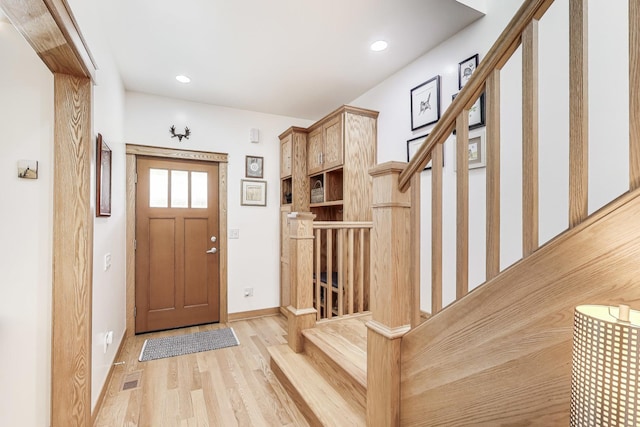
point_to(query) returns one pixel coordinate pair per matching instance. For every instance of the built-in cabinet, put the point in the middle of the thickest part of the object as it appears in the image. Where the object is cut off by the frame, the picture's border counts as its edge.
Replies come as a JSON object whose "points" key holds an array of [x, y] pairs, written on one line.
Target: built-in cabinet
{"points": [[324, 169]]}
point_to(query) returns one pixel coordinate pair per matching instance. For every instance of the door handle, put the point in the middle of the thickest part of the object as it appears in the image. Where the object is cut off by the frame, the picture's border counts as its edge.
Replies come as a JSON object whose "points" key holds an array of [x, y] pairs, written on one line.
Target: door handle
{"points": [[212, 251]]}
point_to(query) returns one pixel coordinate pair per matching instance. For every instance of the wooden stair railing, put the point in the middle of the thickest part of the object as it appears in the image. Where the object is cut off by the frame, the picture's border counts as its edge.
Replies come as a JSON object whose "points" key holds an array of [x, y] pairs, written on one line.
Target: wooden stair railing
{"points": [[341, 250], [393, 286]]}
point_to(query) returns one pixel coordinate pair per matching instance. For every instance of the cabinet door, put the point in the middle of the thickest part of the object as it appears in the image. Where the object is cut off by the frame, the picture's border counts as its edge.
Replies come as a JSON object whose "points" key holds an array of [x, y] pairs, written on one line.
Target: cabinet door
{"points": [[333, 148], [314, 151], [285, 156]]}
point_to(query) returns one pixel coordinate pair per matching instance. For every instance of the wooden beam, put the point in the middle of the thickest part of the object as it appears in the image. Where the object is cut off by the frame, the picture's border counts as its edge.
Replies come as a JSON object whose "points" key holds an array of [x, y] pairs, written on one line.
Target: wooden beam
{"points": [[530, 139], [72, 253], [578, 112], [436, 230], [493, 175], [50, 28], [415, 250], [634, 94], [462, 204]]}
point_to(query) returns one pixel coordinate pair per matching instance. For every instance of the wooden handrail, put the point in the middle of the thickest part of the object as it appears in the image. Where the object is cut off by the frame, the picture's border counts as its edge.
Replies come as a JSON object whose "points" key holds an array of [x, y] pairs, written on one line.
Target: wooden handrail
{"points": [[497, 56], [335, 225]]}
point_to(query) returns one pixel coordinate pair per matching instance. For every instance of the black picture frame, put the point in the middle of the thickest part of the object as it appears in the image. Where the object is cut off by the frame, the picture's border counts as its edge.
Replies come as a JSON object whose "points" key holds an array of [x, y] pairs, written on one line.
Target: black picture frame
{"points": [[476, 118], [412, 147], [466, 69], [424, 109], [103, 178]]}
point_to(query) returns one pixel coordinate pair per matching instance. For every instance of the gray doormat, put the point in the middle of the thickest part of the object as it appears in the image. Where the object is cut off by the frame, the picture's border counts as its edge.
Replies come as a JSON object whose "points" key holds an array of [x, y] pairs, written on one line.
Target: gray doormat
{"points": [[159, 348]]}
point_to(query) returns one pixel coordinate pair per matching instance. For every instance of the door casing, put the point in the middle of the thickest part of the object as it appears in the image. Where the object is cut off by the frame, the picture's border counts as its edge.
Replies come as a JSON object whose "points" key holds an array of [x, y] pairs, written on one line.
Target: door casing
{"points": [[133, 151]]}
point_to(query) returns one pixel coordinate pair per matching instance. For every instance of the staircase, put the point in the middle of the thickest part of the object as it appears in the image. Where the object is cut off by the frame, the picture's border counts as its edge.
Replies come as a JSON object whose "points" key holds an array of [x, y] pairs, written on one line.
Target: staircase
{"points": [[328, 380], [501, 353]]}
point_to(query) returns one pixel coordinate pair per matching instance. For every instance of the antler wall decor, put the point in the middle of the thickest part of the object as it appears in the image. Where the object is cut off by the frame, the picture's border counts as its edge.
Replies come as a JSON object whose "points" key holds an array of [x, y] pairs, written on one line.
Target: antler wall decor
{"points": [[184, 135]]}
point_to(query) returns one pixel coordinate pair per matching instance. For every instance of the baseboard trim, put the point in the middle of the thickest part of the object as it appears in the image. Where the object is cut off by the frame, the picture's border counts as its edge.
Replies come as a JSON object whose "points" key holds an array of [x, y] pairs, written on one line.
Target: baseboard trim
{"points": [[243, 315], [107, 382]]}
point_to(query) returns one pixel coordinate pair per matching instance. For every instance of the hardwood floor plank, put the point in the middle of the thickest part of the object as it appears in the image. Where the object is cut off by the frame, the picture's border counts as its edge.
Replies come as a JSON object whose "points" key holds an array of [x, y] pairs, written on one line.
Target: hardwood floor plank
{"points": [[228, 387]]}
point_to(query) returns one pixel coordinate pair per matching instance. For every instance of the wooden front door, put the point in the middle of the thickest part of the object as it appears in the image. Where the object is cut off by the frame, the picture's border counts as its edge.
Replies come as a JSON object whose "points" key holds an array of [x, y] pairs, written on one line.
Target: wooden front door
{"points": [[177, 263]]}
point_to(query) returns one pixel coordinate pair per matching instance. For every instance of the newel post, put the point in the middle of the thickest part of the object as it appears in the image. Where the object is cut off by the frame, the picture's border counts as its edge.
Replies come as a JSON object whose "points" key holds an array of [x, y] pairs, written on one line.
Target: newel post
{"points": [[390, 294], [302, 315]]}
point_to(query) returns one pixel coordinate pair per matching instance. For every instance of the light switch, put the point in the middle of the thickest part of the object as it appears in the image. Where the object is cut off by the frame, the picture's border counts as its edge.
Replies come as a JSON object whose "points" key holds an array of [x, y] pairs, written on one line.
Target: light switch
{"points": [[107, 262], [234, 233]]}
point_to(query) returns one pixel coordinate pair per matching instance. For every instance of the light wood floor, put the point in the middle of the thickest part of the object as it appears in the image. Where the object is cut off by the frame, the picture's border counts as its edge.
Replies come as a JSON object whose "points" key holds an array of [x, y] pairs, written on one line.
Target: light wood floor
{"points": [[227, 387]]}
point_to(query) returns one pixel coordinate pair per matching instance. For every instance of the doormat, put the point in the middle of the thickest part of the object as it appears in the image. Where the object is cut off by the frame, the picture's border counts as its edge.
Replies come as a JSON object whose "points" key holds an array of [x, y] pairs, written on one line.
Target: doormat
{"points": [[159, 348]]}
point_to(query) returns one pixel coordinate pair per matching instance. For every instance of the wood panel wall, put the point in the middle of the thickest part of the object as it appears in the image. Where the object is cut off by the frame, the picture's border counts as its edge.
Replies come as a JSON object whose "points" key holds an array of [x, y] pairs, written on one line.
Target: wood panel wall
{"points": [[509, 362], [72, 253]]}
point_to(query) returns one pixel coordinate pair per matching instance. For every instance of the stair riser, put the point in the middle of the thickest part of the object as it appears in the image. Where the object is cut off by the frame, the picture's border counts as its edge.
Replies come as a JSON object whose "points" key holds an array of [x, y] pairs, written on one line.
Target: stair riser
{"points": [[295, 396], [340, 379]]}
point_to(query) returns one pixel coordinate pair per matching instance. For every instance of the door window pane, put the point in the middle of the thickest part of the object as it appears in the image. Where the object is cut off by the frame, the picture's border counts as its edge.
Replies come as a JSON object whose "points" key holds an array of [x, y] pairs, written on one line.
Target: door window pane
{"points": [[199, 190], [179, 189], [158, 188]]}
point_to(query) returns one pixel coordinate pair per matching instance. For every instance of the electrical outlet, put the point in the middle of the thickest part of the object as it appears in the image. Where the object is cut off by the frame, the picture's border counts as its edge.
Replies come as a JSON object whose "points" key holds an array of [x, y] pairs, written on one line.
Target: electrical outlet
{"points": [[248, 292], [107, 262], [234, 233]]}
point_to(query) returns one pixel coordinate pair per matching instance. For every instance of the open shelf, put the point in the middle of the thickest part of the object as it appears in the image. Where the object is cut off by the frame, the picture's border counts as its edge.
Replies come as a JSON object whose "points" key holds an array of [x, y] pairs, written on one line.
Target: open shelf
{"points": [[323, 204]]}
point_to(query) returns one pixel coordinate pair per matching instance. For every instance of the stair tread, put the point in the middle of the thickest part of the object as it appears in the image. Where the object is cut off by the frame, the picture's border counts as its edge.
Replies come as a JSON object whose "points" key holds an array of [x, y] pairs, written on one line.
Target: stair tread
{"points": [[328, 404], [345, 343]]}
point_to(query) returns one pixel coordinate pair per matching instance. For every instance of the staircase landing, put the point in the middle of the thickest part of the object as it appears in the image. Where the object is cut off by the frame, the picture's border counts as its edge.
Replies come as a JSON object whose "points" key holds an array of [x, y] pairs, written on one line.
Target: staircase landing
{"points": [[328, 381]]}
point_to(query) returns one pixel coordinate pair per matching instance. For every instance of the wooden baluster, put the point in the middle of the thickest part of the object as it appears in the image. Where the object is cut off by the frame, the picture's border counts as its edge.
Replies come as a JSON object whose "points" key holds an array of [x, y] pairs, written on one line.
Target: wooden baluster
{"points": [[492, 98], [634, 94], [415, 250], [530, 139], [328, 297], [341, 272], [361, 273], [436, 229], [317, 271], [350, 272], [302, 315], [578, 112], [462, 204]]}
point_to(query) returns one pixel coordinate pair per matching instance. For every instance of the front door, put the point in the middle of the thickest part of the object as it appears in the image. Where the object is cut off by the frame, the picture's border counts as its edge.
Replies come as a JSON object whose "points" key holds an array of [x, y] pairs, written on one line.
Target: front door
{"points": [[177, 264]]}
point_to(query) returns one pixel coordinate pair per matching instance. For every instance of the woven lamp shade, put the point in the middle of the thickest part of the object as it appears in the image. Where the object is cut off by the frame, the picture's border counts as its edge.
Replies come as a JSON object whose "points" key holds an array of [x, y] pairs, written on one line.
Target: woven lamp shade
{"points": [[605, 376]]}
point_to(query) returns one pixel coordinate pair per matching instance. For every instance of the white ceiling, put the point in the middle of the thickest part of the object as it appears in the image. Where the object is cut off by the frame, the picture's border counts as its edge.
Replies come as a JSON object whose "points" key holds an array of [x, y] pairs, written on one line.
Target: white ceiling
{"points": [[299, 58]]}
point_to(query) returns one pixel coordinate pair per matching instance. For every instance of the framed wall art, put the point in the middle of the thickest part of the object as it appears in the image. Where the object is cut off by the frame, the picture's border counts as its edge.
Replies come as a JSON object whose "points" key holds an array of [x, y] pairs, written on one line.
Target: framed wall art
{"points": [[254, 166], [477, 149], [103, 178], [425, 103], [28, 169], [476, 113], [412, 148], [465, 69], [253, 193]]}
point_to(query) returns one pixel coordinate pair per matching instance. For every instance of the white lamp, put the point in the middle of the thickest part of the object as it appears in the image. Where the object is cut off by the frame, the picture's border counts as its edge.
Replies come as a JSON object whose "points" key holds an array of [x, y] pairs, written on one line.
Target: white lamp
{"points": [[606, 359]]}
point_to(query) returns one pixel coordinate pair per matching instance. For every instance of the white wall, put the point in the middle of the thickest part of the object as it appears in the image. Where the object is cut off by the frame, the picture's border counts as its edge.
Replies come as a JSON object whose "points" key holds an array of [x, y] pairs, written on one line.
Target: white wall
{"points": [[253, 258], [26, 120], [608, 102]]}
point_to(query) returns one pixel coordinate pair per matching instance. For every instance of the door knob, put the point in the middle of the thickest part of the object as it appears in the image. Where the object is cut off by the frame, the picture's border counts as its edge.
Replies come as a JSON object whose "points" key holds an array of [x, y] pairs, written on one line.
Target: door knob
{"points": [[213, 239], [212, 251]]}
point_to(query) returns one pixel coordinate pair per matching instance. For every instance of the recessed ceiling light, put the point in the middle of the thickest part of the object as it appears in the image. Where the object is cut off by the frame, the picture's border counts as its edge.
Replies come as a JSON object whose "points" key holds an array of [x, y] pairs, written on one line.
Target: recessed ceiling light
{"points": [[183, 79], [379, 45]]}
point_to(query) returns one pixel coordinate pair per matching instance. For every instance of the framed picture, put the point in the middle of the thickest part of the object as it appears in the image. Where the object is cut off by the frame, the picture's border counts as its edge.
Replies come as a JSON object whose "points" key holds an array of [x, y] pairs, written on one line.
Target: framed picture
{"points": [[465, 69], [28, 169], [412, 148], [476, 113], [103, 178], [253, 166], [254, 193], [477, 149], [425, 103]]}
